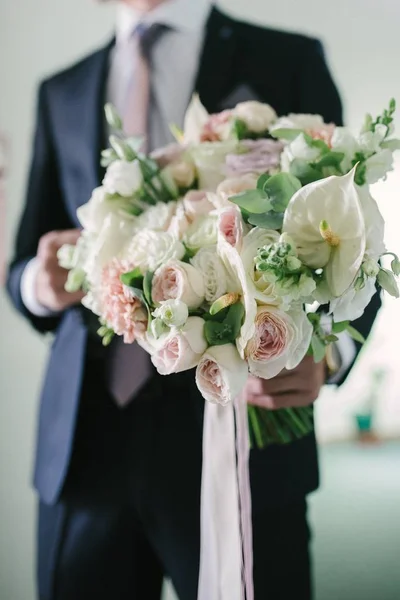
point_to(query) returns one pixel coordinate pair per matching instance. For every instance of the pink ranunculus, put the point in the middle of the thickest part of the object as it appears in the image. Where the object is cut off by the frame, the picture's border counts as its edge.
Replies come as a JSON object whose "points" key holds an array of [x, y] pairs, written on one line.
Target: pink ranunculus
{"points": [[182, 349], [217, 128], [324, 132], [122, 311], [196, 203], [177, 280], [262, 156], [221, 374], [231, 226]]}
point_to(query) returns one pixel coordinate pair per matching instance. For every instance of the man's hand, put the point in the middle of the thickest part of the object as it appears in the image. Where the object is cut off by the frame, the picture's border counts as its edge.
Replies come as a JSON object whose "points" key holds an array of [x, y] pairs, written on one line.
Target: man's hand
{"points": [[299, 387], [51, 278]]}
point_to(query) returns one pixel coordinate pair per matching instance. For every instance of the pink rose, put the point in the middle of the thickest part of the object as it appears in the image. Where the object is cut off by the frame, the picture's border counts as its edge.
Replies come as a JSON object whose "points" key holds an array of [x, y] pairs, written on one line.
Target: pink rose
{"points": [[217, 128], [221, 374], [122, 311], [182, 349], [177, 280], [280, 340], [231, 226], [324, 132], [231, 187], [196, 203]]}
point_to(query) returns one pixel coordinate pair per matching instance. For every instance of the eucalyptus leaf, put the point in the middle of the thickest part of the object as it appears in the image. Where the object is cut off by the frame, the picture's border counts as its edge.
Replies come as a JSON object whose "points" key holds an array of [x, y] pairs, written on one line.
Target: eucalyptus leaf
{"points": [[252, 201], [280, 188], [269, 220], [304, 171], [331, 159], [262, 180]]}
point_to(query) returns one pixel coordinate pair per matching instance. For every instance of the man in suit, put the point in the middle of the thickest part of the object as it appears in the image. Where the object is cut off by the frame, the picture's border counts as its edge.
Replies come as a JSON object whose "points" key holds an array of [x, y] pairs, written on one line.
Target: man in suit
{"points": [[120, 488]]}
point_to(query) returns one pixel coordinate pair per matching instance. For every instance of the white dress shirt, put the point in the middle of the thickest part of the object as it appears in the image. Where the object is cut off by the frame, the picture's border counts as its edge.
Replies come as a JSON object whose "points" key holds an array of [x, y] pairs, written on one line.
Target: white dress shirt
{"points": [[175, 63]]}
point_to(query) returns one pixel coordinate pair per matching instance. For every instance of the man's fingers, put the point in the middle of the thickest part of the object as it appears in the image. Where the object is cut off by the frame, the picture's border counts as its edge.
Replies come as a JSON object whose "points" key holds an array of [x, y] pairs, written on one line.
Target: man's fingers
{"points": [[66, 299], [52, 241], [290, 399]]}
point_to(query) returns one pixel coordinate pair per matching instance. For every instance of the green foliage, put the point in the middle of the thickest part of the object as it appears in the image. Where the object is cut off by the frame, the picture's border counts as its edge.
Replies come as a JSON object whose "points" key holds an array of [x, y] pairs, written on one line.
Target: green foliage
{"points": [[219, 332], [147, 286], [133, 279], [304, 171]]}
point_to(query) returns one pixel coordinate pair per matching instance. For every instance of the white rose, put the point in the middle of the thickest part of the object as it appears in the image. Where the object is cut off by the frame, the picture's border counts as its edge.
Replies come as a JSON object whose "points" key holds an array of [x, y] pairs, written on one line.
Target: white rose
{"points": [[149, 249], [179, 222], [378, 165], [209, 158], [182, 173], [123, 178], [180, 350], [221, 374], [92, 214], [257, 116], [157, 217], [176, 280], [202, 232], [172, 313], [208, 263]]}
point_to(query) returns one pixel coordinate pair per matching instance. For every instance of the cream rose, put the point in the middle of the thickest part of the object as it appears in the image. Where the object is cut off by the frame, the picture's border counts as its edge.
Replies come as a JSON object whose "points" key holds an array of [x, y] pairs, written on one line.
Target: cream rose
{"points": [[182, 172], [196, 204], [180, 350], [209, 158], [258, 116], [208, 263], [157, 217], [221, 374], [149, 249], [123, 178], [177, 280], [179, 222], [281, 340], [202, 232], [232, 187]]}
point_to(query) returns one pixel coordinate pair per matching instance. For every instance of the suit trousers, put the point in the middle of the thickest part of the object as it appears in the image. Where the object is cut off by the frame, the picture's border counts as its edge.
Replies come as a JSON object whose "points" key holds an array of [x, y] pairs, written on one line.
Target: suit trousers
{"points": [[129, 514]]}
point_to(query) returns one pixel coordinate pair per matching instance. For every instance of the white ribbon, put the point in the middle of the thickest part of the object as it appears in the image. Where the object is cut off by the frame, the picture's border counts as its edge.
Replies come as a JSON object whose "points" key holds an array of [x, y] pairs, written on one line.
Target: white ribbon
{"points": [[226, 540]]}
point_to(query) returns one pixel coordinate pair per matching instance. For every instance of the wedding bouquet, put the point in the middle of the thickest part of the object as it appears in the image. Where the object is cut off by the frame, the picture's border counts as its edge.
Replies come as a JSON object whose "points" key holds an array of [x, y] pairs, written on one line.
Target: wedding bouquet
{"points": [[216, 252]]}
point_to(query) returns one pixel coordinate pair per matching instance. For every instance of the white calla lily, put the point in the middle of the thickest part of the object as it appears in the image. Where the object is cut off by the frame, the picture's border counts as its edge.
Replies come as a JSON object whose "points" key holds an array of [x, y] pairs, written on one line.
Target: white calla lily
{"points": [[195, 118]]}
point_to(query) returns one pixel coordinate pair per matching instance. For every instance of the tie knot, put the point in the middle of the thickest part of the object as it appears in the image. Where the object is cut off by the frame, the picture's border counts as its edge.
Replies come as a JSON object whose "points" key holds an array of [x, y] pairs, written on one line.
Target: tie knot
{"points": [[148, 36]]}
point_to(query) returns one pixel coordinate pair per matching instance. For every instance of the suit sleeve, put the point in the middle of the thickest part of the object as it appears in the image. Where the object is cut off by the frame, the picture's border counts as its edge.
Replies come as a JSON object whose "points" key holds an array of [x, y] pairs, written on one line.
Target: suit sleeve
{"points": [[318, 95], [44, 211]]}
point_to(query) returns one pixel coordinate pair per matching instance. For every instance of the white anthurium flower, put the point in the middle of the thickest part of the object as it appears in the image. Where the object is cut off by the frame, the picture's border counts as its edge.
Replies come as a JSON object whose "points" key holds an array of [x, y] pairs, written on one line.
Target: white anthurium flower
{"points": [[195, 119], [209, 158], [239, 283], [352, 304], [326, 222], [378, 165], [221, 374], [173, 313], [157, 217], [374, 224], [202, 232], [298, 149], [123, 178], [280, 341], [257, 238], [149, 249], [208, 263], [92, 214]]}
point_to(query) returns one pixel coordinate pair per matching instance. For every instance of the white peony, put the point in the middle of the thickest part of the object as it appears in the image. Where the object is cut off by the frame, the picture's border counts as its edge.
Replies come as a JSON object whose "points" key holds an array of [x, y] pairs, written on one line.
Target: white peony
{"points": [[123, 178], [149, 249], [326, 222], [208, 263], [257, 116], [202, 232], [221, 374]]}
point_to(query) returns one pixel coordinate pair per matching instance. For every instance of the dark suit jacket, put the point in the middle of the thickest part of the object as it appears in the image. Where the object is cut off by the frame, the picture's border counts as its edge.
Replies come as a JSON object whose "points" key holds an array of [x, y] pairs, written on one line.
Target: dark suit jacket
{"points": [[289, 72]]}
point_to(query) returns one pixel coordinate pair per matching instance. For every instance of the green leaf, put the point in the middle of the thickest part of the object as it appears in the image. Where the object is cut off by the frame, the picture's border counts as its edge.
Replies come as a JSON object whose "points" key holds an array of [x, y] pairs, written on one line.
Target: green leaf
{"points": [[356, 335], [288, 134], [331, 159], [280, 188], [112, 116], [225, 332], [318, 348], [331, 338], [319, 145], [252, 201], [269, 220], [122, 149], [218, 317], [133, 279], [305, 172], [339, 327], [262, 181], [189, 253], [147, 282]]}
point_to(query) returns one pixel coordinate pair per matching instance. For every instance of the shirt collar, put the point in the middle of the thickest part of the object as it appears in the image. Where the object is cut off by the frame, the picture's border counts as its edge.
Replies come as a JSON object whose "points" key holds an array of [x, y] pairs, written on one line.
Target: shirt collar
{"points": [[181, 15]]}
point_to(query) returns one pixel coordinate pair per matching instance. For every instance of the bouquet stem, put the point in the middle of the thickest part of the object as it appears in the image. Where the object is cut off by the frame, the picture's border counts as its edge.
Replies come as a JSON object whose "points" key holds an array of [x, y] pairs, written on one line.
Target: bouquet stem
{"points": [[267, 427]]}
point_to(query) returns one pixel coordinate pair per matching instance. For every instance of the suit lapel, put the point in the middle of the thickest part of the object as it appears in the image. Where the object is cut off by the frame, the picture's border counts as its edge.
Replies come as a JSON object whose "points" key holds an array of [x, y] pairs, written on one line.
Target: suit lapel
{"points": [[216, 75]]}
